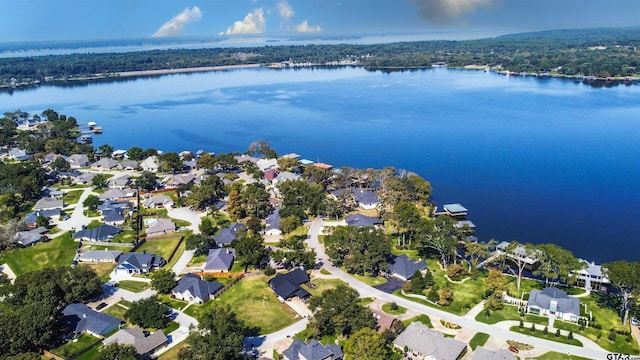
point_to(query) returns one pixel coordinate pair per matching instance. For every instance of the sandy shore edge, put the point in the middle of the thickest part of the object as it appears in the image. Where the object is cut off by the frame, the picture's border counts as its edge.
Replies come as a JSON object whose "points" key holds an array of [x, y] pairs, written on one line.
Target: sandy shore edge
{"points": [[184, 70]]}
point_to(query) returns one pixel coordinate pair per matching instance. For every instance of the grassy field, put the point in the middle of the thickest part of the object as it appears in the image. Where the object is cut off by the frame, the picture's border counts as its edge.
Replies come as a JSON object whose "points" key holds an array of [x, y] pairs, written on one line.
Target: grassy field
{"points": [[102, 269], [510, 313], [161, 245], [57, 252], [167, 300], [412, 254], [71, 348], [126, 236], [255, 304], [478, 339], [371, 281], [387, 308], [134, 286], [322, 285], [117, 310], [198, 261], [176, 256], [94, 224], [421, 318], [366, 301], [550, 336], [173, 352], [72, 197]]}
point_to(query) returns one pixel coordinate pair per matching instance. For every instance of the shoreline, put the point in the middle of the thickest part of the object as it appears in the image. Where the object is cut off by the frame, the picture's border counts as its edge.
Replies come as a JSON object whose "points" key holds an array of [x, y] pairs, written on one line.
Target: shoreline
{"points": [[180, 70]]}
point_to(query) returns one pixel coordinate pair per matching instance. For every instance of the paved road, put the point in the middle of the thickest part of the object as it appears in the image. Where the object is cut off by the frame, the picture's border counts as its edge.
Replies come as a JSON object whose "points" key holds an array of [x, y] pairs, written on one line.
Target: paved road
{"points": [[590, 349], [77, 218], [191, 216]]}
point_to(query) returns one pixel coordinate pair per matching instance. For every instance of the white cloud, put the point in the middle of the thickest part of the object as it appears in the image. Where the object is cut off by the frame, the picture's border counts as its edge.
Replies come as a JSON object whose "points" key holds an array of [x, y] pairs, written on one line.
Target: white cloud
{"points": [[445, 11], [304, 27], [174, 26], [253, 23], [285, 10]]}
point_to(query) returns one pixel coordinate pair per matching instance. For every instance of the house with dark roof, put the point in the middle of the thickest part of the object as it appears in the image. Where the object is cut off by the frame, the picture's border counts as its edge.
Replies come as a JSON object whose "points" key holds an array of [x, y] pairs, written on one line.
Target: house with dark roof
{"points": [[145, 344], [113, 216], [312, 351], [426, 343], [554, 302], [287, 285], [32, 217], [100, 256], [179, 180], [193, 289], [139, 263], [360, 220], [80, 318], [160, 226], [227, 235], [84, 178], [48, 203], [114, 194], [31, 237], [402, 267], [101, 233], [366, 199], [220, 259], [77, 161], [273, 223], [485, 354]]}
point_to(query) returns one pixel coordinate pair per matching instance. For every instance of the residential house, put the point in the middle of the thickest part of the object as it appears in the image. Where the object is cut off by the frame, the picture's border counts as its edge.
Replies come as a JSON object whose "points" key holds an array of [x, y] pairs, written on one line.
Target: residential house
{"points": [[31, 237], [101, 233], [113, 211], [31, 219], [100, 256], [554, 302], [145, 344], [179, 180], [114, 194], [425, 343], [285, 176], [242, 158], [291, 156], [105, 163], [77, 161], [160, 226], [227, 235], [273, 223], [151, 164], [267, 164], [270, 174], [81, 319], [128, 165], [323, 166], [158, 201], [220, 259], [486, 354], [139, 263], [366, 199], [384, 321], [312, 351], [455, 210], [18, 154], [121, 182], [520, 253], [360, 220], [402, 267], [591, 277], [193, 289], [48, 203], [54, 193], [84, 178], [119, 154], [287, 285], [462, 223]]}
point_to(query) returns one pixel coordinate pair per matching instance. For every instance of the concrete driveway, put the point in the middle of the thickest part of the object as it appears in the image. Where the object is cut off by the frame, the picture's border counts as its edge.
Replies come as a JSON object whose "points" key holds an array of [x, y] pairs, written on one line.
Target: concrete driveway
{"points": [[77, 219]]}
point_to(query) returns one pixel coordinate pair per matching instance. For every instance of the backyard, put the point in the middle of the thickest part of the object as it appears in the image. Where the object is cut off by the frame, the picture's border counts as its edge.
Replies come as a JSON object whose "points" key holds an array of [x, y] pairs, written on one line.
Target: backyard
{"points": [[163, 245], [254, 303], [59, 251]]}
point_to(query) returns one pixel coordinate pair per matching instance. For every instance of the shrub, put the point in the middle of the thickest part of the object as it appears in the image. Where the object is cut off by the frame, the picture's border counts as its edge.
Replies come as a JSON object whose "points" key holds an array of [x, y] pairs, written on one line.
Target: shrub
{"points": [[533, 327], [449, 325], [558, 333], [407, 287], [570, 336], [456, 272], [445, 296], [432, 295], [521, 325], [393, 306], [269, 271], [545, 331], [612, 336]]}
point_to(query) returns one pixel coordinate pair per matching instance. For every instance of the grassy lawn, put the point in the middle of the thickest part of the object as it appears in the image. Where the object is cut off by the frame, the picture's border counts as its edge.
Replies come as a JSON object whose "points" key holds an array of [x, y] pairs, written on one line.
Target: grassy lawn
{"points": [[552, 355], [180, 223], [177, 255], [94, 224], [550, 336], [161, 245], [173, 352], [134, 286], [72, 197], [421, 318], [366, 301], [387, 308], [126, 236], [601, 337], [57, 252], [478, 339], [255, 304], [324, 271], [371, 281], [197, 261], [322, 285], [412, 254], [88, 246], [117, 310], [83, 342], [510, 313], [299, 231], [173, 326], [91, 353], [102, 269], [167, 300]]}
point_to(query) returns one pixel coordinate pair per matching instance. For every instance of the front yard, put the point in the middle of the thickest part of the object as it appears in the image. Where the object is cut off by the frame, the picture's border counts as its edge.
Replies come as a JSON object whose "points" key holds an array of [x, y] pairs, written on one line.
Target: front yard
{"points": [[134, 286], [72, 197], [255, 304], [57, 252], [77, 346]]}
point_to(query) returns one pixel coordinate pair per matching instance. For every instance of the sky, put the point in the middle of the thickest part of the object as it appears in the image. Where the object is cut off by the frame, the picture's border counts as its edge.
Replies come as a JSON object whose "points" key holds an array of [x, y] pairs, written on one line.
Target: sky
{"points": [[48, 20]]}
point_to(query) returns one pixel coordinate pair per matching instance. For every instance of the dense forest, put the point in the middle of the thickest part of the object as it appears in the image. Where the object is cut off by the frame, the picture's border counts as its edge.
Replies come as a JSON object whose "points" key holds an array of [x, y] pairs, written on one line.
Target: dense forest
{"points": [[594, 52]]}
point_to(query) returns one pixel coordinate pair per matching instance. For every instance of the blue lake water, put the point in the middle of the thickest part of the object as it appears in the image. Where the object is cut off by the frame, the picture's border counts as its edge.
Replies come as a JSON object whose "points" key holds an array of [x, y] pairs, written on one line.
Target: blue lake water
{"points": [[533, 160]]}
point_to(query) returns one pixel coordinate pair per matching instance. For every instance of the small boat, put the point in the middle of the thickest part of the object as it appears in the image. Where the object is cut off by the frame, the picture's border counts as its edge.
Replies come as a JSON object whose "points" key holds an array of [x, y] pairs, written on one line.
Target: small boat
{"points": [[97, 129], [85, 139]]}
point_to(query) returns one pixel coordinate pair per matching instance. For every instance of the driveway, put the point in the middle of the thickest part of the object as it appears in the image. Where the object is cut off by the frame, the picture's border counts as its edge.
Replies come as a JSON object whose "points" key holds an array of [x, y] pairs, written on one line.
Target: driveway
{"points": [[186, 214], [590, 349], [392, 284], [77, 219]]}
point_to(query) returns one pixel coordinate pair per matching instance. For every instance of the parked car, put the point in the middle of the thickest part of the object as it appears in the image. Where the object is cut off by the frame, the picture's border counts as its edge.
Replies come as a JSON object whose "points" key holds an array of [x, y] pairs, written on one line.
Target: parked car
{"points": [[513, 349], [74, 263], [101, 306], [634, 321]]}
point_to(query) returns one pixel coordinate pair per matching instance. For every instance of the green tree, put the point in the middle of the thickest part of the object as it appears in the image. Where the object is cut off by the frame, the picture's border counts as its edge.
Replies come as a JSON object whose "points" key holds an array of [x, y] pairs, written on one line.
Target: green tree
{"points": [[288, 164], [219, 336], [163, 280], [441, 235], [207, 193], [146, 181], [148, 313], [207, 227], [290, 223], [519, 255], [624, 276], [338, 312], [366, 344], [250, 249], [106, 150], [361, 250], [206, 161], [417, 282], [226, 162], [234, 207], [201, 243], [100, 181], [256, 200], [445, 296], [262, 148], [91, 202], [556, 263], [407, 216], [60, 164], [254, 225], [135, 153], [117, 352], [170, 162], [476, 250]]}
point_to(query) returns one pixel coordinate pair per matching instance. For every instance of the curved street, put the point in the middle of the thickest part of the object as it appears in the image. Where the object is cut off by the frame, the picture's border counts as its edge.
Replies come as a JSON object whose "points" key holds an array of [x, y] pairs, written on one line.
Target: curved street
{"points": [[590, 349]]}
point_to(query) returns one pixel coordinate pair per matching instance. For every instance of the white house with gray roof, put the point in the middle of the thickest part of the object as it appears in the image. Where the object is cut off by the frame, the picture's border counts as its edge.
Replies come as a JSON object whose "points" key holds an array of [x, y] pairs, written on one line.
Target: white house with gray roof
{"points": [[105, 163], [591, 277], [366, 199], [100, 256], [486, 354], [160, 226], [48, 203], [151, 164], [554, 302], [77, 161], [193, 289], [158, 201], [424, 343]]}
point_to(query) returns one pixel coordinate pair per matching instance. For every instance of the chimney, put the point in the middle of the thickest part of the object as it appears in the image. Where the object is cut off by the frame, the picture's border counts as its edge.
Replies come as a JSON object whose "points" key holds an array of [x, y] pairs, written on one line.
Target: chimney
{"points": [[228, 251]]}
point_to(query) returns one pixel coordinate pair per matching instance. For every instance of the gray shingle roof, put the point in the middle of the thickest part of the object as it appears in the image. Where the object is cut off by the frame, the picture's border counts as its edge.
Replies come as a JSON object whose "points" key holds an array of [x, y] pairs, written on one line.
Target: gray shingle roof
{"points": [[227, 235], [33, 216], [142, 261], [288, 285], [404, 267], [362, 220], [273, 220], [80, 318], [220, 259], [48, 203], [312, 351], [100, 233], [26, 238], [100, 255], [419, 338], [565, 304], [135, 336], [197, 287], [161, 225], [365, 197], [486, 354]]}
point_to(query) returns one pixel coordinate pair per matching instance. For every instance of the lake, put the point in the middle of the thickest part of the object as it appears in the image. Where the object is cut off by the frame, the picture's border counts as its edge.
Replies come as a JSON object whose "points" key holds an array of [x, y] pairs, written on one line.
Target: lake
{"points": [[534, 160]]}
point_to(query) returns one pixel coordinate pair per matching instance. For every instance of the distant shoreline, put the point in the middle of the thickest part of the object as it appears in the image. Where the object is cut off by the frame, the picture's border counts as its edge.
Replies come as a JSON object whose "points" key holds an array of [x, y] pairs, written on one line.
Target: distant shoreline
{"points": [[182, 70]]}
